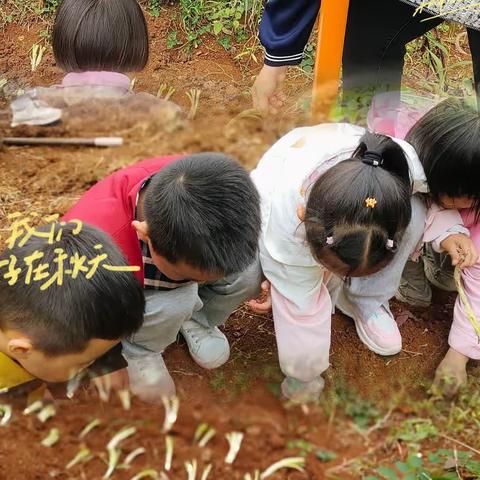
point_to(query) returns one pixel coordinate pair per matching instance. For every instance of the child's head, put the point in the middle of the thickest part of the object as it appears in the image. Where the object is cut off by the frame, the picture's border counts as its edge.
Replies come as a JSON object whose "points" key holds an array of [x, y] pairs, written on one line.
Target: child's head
{"points": [[100, 35], [201, 218], [447, 140], [357, 211], [56, 332]]}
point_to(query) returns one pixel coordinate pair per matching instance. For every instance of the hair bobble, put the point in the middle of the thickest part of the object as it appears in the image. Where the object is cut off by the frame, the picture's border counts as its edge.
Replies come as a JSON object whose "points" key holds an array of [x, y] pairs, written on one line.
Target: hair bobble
{"points": [[329, 241], [391, 245], [372, 158]]}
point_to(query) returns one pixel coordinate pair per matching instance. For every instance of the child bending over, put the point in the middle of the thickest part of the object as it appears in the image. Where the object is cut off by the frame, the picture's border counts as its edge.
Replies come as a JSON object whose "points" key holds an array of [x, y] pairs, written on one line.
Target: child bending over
{"points": [[192, 225], [447, 142], [54, 333], [339, 223]]}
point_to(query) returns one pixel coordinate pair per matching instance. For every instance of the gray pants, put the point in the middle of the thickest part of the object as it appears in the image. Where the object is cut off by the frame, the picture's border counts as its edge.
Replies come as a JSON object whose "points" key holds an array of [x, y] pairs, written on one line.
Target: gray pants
{"points": [[208, 304], [367, 294]]}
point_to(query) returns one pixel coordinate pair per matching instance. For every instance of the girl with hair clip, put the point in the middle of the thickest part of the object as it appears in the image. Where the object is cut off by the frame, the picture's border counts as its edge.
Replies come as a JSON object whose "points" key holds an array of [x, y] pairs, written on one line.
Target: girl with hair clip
{"points": [[447, 142], [339, 223], [97, 43]]}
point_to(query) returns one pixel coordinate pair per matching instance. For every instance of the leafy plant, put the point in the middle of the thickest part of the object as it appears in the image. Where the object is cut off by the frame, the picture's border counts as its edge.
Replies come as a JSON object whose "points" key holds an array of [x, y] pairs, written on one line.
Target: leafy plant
{"points": [[154, 8]]}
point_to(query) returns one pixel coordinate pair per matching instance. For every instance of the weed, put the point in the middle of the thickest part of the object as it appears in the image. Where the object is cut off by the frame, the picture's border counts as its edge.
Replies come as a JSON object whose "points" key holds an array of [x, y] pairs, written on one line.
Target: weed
{"points": [[172, 40], [217, 382], [308, 62], [154, 8], [228, 21]]}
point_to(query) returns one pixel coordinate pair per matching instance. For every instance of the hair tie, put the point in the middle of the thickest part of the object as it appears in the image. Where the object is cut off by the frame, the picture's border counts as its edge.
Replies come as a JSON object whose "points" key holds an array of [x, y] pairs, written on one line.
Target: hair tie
{"points": [[372, 158], [390, 244], [370, 202], [329, 241]]}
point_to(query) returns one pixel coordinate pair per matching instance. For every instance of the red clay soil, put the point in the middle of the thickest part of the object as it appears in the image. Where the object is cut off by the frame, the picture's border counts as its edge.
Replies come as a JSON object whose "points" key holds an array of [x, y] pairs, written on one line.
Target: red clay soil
{"points": [[241, 395]]}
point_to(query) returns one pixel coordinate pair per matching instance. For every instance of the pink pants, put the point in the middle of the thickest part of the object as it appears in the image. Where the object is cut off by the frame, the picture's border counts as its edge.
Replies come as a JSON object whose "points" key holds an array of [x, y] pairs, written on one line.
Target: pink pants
{"points": [[462, 336]]}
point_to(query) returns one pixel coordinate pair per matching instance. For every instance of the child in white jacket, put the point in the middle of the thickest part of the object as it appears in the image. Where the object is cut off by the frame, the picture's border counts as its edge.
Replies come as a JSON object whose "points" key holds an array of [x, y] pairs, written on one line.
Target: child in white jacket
{"points": [[337, 204]]}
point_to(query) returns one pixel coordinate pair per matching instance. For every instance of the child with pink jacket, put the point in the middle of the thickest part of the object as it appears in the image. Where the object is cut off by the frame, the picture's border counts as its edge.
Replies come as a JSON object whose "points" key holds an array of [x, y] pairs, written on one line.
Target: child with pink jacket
{"points": [[446, 138]]}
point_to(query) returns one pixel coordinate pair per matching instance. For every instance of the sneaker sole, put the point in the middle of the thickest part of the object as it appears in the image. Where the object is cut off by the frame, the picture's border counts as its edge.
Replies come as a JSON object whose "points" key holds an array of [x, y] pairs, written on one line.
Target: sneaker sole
{"points": [[384, 352]]}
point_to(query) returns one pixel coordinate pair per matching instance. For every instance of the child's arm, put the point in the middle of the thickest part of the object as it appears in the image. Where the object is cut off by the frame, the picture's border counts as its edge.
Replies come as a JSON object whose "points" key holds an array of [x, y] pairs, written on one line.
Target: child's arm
{"points": [[445, 230], [285, 29], [284, 32]]}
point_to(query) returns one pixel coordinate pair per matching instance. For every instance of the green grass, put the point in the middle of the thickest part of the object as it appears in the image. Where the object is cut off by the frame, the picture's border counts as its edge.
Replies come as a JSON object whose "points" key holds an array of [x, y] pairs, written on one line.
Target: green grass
{"points": [[229, 22]]}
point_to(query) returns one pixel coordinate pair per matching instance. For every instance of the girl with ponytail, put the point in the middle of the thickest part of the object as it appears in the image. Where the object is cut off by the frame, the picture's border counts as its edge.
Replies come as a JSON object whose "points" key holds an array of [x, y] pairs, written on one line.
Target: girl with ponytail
{"points": [[340, 219]]}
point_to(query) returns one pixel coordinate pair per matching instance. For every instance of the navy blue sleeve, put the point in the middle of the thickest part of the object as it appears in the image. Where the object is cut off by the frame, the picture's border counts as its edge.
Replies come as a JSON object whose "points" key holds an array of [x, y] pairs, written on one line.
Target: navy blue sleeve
{"points": [[285, 28]]}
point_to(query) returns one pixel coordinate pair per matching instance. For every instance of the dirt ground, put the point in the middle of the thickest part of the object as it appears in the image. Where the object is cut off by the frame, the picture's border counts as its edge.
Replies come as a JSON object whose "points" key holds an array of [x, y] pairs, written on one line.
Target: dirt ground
{"points": [[243, 394]]}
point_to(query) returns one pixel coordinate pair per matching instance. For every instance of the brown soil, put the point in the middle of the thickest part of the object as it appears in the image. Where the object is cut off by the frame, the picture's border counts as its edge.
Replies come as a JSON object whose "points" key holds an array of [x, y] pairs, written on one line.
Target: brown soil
{"points": [[241, 395]]}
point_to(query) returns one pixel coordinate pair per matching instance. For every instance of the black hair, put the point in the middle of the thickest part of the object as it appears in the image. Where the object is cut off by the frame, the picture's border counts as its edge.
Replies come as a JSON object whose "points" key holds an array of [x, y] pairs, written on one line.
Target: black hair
{"points": [[338, 219], [62, 319], [447, 141], [96, 35], [204, 210]]}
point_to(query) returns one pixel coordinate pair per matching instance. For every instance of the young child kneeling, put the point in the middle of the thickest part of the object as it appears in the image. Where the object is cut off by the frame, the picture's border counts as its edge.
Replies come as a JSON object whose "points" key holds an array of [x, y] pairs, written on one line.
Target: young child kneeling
{"points": [[55, 318], [192, 225]]}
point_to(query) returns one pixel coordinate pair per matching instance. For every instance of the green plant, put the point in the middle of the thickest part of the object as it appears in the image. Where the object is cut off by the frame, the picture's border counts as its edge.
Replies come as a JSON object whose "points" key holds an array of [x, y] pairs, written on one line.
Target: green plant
{"points": [[440, 465], [172, 40], [154, 8], [308, 62]]}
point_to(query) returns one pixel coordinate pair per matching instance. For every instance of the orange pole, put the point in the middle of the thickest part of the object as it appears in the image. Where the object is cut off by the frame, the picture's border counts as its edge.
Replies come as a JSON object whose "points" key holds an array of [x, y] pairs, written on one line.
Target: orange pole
{"points": [[332, 25]]}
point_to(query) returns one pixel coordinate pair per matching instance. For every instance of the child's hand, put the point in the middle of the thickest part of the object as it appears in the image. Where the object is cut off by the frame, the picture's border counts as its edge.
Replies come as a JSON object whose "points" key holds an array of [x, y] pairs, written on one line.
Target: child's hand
{"points": [[265, 304], [451, 374], [267, 92], [461, 249]]}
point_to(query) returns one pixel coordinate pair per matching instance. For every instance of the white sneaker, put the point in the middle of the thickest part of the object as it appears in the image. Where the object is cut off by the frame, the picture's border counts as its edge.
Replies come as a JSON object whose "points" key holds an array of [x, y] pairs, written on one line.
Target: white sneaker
{"points": [[148, 376], [379, 332], [208, 345]]}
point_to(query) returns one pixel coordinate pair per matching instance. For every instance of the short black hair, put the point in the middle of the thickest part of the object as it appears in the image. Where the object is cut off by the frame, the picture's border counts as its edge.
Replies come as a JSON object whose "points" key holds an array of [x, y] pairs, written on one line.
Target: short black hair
{"points": [[100, 35], [337, 219], [63, 318], [204, 210], [447, 141]]}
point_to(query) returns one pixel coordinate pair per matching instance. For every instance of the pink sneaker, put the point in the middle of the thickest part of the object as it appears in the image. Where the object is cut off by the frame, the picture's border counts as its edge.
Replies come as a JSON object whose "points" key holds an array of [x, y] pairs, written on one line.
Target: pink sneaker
{"points": [[379, 332]]}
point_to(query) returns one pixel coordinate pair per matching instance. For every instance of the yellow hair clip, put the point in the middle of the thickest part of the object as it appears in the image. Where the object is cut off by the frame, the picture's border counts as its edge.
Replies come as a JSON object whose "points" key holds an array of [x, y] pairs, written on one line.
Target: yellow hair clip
{"points": [[370, 202]]}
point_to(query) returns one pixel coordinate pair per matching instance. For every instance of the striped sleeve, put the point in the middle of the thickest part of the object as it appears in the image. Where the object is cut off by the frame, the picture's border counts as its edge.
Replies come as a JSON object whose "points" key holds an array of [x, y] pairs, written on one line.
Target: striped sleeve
{"points": [[285, 28]]}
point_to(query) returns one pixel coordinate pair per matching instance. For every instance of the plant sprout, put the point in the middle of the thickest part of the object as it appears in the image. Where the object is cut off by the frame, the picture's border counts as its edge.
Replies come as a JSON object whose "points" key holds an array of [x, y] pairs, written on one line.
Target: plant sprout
{"points": [[165, 92], [235, 442], [89, 427], [133, 455], [203, 434], [206, 472], [171, 405], [148, 473], [132, 83], [34, 407], [5, 414], [103, 386], [36, 55], [125, 399], [82, 456], [255, 476], [46, 412], [168, 452], [114, 452], [52, 438], [3, 82], [191, 468], [295, 463], [194, 97]]}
